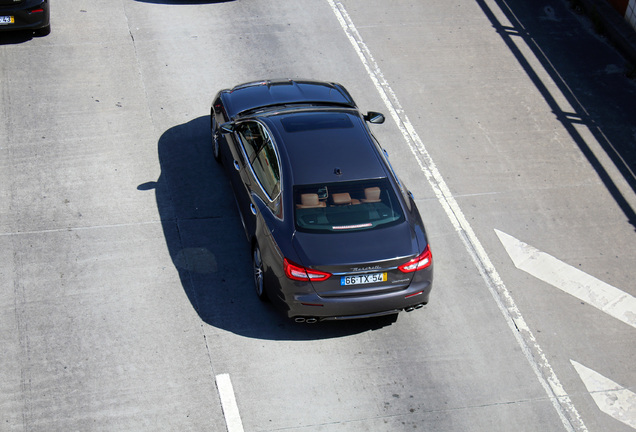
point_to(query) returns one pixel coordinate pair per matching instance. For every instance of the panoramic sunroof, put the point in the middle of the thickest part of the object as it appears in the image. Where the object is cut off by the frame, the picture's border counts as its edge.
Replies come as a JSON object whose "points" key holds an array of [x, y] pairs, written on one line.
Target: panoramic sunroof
{"points": [[316, 121]]}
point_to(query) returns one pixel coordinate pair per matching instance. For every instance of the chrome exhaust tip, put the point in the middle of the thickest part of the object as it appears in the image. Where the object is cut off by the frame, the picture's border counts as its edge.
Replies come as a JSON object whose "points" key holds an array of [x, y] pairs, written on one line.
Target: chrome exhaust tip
{"points": [[311, 320], [299, 319]]}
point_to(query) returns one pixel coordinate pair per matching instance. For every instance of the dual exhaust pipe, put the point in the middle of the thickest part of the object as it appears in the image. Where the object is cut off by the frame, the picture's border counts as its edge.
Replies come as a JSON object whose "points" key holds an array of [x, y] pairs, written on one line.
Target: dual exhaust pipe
{"points": [[308, 320], [412, 308], [313, 320]]}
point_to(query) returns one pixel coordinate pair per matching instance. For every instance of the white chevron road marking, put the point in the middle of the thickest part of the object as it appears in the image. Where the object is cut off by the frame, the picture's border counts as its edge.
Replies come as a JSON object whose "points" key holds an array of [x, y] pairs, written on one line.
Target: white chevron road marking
{"points": [[573, 281], [610, 397]]}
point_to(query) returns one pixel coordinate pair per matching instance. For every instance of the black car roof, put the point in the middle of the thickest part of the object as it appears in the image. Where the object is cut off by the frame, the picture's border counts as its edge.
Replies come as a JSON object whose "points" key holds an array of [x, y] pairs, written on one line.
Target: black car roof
{"points": [[325, 145], [254, 95]]}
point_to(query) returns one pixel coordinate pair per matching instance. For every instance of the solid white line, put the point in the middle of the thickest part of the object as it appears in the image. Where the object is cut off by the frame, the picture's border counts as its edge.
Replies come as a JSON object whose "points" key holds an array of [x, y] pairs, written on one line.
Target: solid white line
{"points": [[228, 403], [611, 398], [571, 280], [529, 345]]}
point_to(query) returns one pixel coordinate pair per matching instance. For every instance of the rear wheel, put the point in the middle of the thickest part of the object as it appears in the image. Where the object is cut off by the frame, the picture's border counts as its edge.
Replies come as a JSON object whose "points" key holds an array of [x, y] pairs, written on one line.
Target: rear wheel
{"points": [[259, 275]]}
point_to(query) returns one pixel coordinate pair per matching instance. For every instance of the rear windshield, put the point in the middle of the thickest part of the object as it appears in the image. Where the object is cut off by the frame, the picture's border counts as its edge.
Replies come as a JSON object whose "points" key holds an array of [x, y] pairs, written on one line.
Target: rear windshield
{"points": [[346, 206]]}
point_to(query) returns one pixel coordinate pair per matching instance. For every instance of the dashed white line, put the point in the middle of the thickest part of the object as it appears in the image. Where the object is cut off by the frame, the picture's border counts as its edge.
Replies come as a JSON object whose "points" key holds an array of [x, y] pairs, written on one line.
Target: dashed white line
{"points": [[534, 354], [228, 403]]}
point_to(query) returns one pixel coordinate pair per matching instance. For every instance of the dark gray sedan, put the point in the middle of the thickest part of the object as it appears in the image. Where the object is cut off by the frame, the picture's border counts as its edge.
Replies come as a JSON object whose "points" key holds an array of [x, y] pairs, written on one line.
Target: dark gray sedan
{"points": [[334, 233]]}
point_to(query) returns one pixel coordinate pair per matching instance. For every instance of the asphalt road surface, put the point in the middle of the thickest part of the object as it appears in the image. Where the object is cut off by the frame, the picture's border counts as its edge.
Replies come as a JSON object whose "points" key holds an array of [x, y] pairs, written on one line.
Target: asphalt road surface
{"points": [[126, 298]]}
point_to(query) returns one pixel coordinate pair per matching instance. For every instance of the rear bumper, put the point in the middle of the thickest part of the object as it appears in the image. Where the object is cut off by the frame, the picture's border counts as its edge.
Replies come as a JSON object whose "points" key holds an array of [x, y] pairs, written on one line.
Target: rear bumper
{"points": [[28, 16], [312, 306]]}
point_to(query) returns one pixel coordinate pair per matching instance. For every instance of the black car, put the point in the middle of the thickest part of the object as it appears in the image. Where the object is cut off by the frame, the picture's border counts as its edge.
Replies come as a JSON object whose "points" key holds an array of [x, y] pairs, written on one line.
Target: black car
{"points": [[25, 15], [334, 233]]}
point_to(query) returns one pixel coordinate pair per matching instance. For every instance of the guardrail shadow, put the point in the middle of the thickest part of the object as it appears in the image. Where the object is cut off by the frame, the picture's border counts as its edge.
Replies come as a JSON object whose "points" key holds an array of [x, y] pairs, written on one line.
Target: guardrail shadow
{"points": [[602, 103], [208, 247]]}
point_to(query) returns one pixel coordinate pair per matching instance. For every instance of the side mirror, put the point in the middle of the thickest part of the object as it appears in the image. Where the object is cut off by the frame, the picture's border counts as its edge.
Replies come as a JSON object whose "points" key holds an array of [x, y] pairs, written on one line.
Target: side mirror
{"points": [[374, 117], [227, 128]]}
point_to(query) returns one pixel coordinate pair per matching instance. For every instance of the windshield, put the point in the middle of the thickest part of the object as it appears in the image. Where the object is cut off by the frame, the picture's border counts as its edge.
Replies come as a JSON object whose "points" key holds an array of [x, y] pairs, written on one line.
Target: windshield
{"points": [[346, 206]]}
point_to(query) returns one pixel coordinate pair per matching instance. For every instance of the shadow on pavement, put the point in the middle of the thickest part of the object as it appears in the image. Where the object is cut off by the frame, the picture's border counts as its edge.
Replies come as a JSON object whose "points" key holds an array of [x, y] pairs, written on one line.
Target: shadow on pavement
{"points": [[16, 37], [183, 2], [208, 246], [589, 74]]}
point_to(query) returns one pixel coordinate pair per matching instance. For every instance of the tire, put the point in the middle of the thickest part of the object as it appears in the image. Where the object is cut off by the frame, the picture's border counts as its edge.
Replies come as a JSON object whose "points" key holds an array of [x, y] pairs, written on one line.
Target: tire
{"points": [[216, 149], [259, 274]]}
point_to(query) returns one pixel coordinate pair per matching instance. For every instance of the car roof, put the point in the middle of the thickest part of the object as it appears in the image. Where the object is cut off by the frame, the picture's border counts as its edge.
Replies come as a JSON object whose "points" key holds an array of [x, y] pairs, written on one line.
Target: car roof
{"points": [[318, 142], [254, 95]]}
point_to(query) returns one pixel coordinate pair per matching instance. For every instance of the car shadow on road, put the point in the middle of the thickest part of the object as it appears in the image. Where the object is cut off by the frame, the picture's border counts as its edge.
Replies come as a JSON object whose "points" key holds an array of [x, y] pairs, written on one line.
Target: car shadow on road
{"points": [[208, 247], [16, 37], [183, 2]]}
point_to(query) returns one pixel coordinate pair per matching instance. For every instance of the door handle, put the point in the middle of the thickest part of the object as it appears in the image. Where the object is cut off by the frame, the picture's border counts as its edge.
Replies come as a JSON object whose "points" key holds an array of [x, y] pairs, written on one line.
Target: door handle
{"points": [[253, 209], [236, 166]]}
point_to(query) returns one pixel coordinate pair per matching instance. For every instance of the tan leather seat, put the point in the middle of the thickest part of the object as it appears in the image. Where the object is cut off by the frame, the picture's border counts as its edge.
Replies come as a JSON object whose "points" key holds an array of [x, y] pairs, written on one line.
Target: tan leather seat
{"points": [[341, 198], [371, 195], [310, 200]]}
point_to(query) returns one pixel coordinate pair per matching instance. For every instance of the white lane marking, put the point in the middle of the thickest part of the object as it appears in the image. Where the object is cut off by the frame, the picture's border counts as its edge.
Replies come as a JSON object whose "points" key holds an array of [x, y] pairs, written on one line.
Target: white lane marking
{"points": [[79, 228], [610, 397], [573, 281], [228, 403], [534, 354]]}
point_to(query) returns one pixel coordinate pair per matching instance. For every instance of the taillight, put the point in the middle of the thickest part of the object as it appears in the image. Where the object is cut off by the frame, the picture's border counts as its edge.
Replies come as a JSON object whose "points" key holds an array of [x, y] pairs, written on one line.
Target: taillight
{"points": [[300, 273], [39, 10], [420, 262]]}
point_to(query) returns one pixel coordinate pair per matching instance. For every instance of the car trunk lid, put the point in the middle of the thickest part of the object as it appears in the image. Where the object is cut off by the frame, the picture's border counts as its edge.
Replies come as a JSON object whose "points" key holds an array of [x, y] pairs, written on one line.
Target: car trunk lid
{"points": [[361, 263]]}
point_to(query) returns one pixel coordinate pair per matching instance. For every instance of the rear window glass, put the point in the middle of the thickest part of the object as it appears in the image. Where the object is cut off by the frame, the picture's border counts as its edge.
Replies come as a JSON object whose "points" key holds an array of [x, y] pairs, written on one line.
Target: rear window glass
{"points": [[346, 206]]}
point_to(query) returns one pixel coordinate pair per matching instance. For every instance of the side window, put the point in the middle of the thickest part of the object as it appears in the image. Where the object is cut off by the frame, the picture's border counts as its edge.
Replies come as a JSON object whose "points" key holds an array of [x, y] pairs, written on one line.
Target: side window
{"points": [[265, 167], [261, 156], [252, 137]]}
